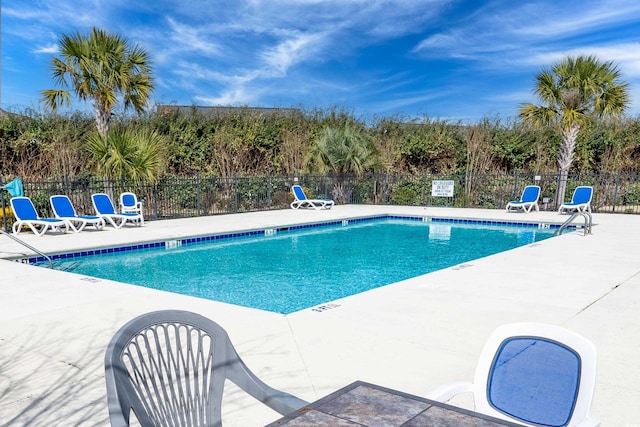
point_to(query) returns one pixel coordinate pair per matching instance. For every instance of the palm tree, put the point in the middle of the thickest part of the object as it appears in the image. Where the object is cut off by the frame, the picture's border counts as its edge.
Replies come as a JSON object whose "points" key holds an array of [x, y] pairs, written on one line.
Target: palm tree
{"points": [[103, 68], [574, 91], [342, 151], [127, 153]]}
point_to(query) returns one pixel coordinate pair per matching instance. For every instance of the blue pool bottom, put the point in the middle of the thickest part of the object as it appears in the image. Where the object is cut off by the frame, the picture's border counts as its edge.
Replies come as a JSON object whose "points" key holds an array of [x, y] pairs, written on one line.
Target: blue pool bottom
{"points": [[292, 268]]}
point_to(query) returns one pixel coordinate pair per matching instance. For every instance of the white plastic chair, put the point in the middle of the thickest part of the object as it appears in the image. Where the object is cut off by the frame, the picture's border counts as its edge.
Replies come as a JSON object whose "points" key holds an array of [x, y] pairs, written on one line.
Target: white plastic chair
{"points": [[169, 367], [528, 200], [63, 209], [129, 203], [301, 200], [534, 374], [105, 210], [26, 215], [580, 201]]}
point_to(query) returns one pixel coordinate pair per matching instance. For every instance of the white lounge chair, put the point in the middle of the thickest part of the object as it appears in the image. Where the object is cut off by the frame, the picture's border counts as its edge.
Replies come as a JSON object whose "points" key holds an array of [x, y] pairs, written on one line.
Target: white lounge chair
{"points": [[534, 374], [129, 203], [105, 210], [63, 209], [580, 201], [528, 200], [301, 200], [26, 215]]}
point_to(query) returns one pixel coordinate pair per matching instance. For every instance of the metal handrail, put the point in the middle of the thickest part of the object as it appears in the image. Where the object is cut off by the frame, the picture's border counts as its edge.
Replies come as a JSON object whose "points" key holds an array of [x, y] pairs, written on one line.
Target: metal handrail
{"points": [[588, 222], [28, 246]]}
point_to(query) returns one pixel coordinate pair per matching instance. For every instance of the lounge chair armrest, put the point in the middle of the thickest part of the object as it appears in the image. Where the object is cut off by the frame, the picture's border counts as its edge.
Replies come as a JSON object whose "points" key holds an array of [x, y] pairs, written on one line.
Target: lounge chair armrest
{"points": [[447, 391]]}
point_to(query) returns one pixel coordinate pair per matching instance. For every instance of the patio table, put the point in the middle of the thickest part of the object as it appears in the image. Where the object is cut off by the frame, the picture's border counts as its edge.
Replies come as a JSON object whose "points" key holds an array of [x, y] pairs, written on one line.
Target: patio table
{"points": [[365, 404]]}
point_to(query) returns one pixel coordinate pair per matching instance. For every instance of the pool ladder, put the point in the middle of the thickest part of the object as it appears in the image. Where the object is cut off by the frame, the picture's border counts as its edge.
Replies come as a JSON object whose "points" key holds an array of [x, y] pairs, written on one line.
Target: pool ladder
{"points": [[28, 246], [588, 222]]}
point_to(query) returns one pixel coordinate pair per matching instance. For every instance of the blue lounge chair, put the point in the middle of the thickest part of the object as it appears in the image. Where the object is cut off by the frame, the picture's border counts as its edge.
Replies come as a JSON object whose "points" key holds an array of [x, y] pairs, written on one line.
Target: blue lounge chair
{"points": [[301, 200], [26, 215], [170, 367], [105, 210], [129, 204], [580, 201], [533, 374], [63, 209], [528, 200]]}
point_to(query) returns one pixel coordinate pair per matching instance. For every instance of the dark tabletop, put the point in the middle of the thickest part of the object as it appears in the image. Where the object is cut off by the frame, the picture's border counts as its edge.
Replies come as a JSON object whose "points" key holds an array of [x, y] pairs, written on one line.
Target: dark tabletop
{"points": [[364, 404]]}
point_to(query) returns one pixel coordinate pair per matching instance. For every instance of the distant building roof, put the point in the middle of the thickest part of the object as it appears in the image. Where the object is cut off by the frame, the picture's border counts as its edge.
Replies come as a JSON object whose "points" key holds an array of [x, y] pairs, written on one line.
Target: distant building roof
{"points": [[220, 111]]}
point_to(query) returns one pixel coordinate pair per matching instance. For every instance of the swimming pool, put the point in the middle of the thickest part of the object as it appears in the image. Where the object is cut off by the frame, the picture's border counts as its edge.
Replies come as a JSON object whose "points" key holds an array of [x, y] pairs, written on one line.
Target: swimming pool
{"points": [[288, 269]]}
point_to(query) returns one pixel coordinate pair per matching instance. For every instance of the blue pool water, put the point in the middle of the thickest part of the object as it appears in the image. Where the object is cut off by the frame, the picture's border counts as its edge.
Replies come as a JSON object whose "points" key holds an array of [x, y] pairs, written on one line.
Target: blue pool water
{"points": [[292, 270]]}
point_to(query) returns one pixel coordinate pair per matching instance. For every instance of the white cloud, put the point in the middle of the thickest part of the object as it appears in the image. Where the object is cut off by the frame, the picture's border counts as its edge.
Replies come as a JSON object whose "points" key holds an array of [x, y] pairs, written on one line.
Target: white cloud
{"points": [[340, 51], [522, 26], [409, 100], [566, 19], [626, 56], [48, 49], [439, 41], [290, 52], [192, 38], [237, 97]]}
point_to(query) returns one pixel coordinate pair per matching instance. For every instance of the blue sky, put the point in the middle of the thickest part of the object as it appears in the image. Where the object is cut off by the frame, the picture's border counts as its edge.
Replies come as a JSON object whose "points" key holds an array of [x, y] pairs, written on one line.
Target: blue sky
{"points": [[447, 59]]}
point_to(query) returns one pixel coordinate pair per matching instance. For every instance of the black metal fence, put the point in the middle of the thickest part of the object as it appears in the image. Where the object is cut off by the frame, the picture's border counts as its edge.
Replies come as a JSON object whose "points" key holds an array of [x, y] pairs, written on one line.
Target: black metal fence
{"points": [[176, 197]]}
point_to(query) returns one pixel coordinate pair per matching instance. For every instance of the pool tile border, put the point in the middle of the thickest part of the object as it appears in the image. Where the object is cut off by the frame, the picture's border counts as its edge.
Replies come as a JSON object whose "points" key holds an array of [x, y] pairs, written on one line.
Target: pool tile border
{"points": [[271, 231]]}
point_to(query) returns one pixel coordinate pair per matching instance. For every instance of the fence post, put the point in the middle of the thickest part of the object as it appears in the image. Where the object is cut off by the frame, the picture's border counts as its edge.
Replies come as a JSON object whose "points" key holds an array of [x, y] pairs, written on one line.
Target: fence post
{"points": [[615, 193], [269, 191], [467, 185], [154, 191], [426, 194], [198, 198], [235, 191], [4, 212], [385, 189]]}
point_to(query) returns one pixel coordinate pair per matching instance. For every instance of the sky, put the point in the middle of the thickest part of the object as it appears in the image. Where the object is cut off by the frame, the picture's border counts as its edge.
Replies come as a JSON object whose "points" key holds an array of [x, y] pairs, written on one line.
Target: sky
{"points": [[455, 60]]}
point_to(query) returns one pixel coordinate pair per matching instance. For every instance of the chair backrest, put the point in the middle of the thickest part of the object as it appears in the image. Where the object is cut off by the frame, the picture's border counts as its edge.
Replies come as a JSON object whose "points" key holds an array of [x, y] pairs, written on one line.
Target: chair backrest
{"points": [[102, 203], [531, 193], [128, 200], [23, 209], [170, 368], [582, 195], [536, 374], [62, 206], [298, 192]]}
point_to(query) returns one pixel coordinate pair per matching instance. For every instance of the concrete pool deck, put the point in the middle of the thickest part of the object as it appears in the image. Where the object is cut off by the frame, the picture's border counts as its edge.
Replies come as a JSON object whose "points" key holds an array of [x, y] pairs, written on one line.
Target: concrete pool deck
{"points": [[411, 336]]}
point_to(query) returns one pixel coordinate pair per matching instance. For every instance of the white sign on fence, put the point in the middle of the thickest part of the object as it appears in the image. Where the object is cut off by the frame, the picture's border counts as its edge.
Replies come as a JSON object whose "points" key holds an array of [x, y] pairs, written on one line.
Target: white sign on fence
{"points": [[442, 188]]}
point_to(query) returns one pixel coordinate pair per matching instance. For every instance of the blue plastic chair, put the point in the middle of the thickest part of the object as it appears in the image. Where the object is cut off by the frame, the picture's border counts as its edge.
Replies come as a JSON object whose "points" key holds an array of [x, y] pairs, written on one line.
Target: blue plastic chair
{"points": [[534, 374], [528, 200], [26, 215], [63, 209], [580, 201], [301, 200], [105, 210]]}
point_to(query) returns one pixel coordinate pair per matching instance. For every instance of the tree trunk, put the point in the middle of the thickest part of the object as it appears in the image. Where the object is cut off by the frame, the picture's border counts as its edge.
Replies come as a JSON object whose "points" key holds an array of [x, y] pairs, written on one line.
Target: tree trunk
{"points": [[569, 136], [102, 121]]}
